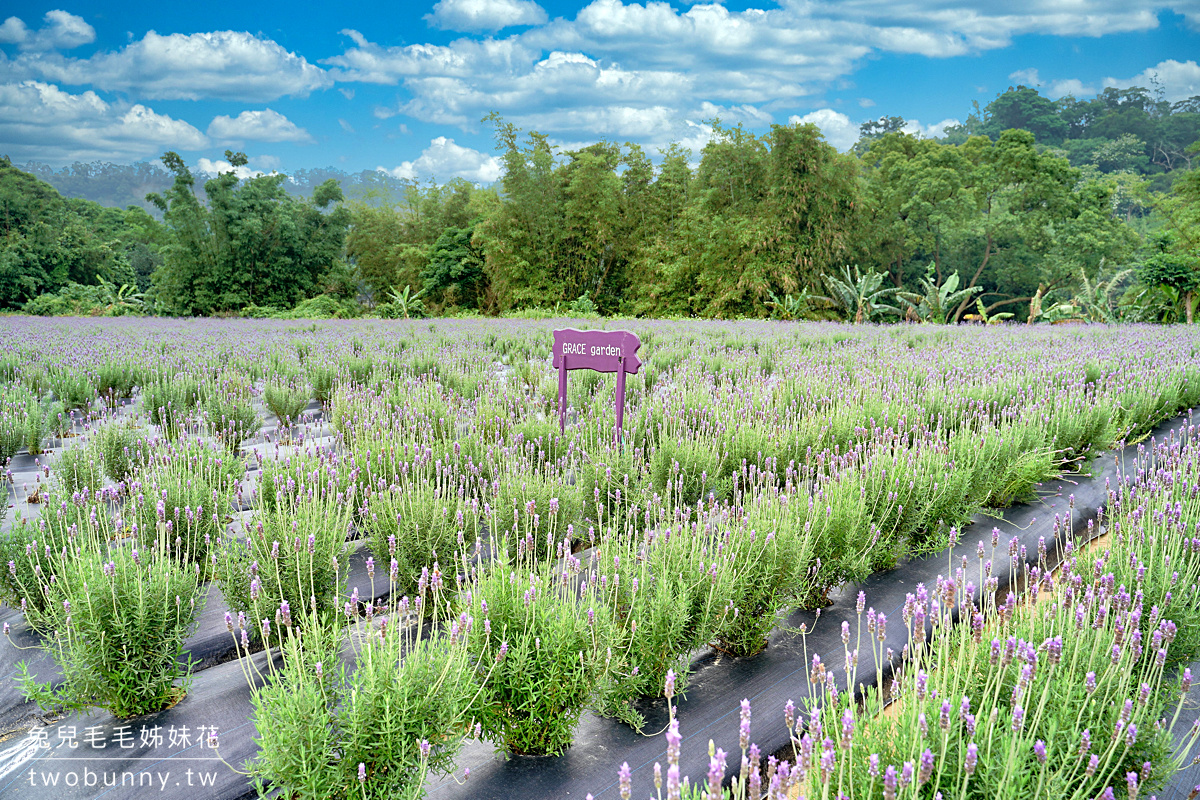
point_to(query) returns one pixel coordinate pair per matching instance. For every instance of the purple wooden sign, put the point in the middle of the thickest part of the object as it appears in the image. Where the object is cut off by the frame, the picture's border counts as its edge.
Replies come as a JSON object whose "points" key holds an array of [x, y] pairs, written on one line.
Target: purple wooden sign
{"points": [[602, 351]]}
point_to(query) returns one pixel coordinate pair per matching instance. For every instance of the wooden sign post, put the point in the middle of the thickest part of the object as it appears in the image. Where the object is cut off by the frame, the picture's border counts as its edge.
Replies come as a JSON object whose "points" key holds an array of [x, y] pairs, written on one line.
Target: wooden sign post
{"points": [[602, 351]]}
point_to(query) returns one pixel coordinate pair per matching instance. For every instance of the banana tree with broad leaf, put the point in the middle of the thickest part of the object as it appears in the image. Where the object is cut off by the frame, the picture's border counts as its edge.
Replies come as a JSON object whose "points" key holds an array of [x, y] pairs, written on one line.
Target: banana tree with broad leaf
{"points": [[936, 303], [408, 302], [991, 319], [1095, 299], [791, 307], [858, 295], [118, 302]]}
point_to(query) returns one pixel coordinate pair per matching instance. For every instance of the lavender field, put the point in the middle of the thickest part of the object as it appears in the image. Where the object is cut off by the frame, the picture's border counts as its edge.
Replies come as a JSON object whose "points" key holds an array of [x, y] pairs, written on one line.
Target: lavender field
{"points": [[378, 537]]}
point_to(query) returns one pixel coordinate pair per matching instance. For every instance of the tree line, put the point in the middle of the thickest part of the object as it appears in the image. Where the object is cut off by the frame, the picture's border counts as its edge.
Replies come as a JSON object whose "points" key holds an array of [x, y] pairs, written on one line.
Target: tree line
{"points": [[1034, 209]]}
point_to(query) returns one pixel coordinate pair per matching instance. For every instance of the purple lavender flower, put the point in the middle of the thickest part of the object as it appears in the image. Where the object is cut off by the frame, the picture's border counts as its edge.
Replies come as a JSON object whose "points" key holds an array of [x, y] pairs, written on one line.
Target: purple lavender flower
{"points": [[744, 725], [716, 773], [972, 758], [673, 741], [926, 770], [624, 777], [1039, 751]]}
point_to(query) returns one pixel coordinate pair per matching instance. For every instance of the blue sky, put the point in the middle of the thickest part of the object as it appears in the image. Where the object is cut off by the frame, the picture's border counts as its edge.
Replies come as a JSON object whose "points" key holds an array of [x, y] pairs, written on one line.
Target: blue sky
{"points": [[403, 86]]}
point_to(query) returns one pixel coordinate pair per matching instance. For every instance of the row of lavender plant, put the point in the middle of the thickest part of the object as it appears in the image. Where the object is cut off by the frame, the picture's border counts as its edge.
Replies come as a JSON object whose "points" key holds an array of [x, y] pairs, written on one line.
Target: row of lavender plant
{"points": [[1071, 690]]}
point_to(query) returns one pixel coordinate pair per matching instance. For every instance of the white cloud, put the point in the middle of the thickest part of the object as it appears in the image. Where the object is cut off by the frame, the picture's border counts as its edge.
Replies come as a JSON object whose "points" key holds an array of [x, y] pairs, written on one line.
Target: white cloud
{"points": [[62, 31], [625, 65], [221, 64], [221, 166], [485, 15], [42, 122], [1028, 77], [444, 159], [261, 126], [13, 31], [934, 131], [1069, 86], [839, 131], [346, 126], [1179, 80]]}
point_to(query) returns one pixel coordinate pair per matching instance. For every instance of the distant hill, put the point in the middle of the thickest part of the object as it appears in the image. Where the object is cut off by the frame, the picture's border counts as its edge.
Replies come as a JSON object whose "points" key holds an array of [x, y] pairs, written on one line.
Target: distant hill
{"points": [[124, 185]]}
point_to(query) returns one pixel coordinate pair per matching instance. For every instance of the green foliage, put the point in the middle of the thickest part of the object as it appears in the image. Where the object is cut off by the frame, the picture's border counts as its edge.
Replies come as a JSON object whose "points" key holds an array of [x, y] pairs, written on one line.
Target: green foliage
{"points": [[115, 380], [455, 273], [404, 303], [123, 450], [170, 400], [252, 244], [49, 242], [79, 469], [230, 412], [323, 306], [531, 514], [858, 296], [64, 527], [415, 528], [185, 495], [286, 400], [120, 617], [374, 732], [539, 656], [934, 302], [294, 555]]}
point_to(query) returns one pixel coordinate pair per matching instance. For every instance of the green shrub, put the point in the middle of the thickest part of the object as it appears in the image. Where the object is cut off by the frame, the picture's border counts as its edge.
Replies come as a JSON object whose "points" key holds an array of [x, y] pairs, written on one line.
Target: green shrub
{"points": [[412, 528], [80, 468], [169, 402], [123, 449], [116, 379], [120, 617], [294, 555], [322, 376], [229, 409], [665, 608], [185, 494], [71, 387], [374, 732], [539, 657], [286, 401], [34, 552], [530, 514]]}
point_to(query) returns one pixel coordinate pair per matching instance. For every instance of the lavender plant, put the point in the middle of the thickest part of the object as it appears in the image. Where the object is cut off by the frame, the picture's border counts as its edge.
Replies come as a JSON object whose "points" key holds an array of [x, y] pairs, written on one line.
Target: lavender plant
{"points": [[539, 651], [286, 400], [119, 617], [169, 400], [290, 561], [229, 410], [80, 469], [184, 494], [412, 529], [33, 552]]}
